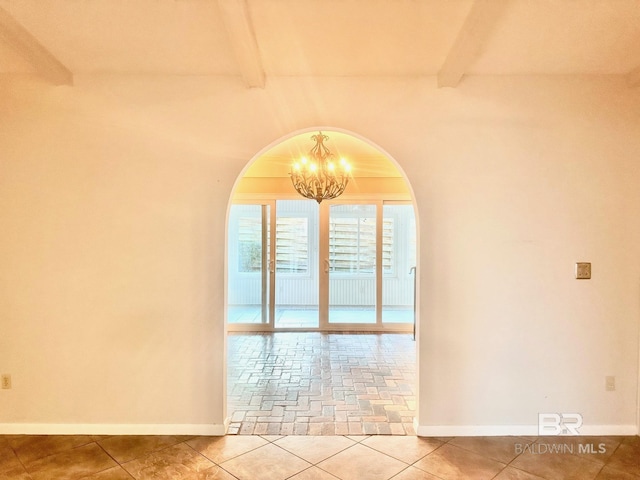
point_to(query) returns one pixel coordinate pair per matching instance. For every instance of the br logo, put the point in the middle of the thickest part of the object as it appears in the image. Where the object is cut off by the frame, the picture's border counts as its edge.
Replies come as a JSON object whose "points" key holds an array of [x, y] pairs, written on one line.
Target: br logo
{"points": [[559, 423]]}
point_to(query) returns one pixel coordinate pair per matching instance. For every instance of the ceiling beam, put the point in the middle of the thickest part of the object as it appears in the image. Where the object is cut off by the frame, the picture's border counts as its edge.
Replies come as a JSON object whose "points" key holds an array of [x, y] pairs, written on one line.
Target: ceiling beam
{"points": [[633, 78], [28, 46], [477, 27], [235, 14]]}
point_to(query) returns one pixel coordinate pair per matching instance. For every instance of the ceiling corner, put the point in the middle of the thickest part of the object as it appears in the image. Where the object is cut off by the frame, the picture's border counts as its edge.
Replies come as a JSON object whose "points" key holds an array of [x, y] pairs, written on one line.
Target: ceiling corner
{"points": [[30, 48]]}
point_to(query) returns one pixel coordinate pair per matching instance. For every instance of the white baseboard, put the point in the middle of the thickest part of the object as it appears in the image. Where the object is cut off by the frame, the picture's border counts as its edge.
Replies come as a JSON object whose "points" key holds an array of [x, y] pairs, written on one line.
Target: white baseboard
{"points": [[515, 430], [111, 429], [606, 430]]}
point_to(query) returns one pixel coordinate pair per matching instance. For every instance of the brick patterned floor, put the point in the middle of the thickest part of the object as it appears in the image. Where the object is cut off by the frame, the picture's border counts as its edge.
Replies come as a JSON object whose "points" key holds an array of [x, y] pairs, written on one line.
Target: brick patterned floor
{"points": [[321, 384]]}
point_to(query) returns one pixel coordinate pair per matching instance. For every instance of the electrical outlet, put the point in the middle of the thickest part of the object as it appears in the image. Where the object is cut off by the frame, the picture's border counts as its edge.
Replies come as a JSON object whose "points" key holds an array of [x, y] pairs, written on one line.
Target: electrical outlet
{"points": [[6, 381], [610, 383], [583, 270]]}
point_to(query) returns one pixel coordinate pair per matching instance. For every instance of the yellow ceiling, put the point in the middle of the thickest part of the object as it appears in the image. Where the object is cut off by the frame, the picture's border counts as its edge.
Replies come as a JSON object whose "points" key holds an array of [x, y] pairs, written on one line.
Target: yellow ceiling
{"points": [[366, 161]]}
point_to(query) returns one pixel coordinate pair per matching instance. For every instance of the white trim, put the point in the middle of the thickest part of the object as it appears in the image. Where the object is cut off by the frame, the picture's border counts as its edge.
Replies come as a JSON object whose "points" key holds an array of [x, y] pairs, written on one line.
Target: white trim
{"points": [[111, 429], [638, 372], [514, 430], [606, 430], [637, 432]]}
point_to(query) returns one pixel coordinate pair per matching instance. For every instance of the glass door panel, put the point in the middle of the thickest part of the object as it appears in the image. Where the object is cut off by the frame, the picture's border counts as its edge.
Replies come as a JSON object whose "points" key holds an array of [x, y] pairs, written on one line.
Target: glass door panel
{"points": [[297, 238], [248, 272], [398, 259], [352, 264], [295, 264]]}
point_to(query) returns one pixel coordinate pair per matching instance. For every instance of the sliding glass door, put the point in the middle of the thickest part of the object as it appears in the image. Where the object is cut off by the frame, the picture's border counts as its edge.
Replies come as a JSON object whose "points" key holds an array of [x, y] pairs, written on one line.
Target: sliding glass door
{"points": [[398, 263], [294, 264], [249, 262], [352, 264], [296, 276]]}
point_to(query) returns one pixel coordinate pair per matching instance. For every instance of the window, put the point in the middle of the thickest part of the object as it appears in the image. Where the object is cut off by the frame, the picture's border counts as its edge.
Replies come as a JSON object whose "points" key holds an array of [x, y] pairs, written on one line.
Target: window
{"points": [[398, 239], [388, 248], [249, 244], [352, 243], [292, 245]]}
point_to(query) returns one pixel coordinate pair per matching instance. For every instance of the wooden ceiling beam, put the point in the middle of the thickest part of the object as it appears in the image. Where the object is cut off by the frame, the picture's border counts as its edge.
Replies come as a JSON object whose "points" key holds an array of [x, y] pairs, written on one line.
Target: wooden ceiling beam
{"points": [[475, 31], [235, 14], [28, 46]]}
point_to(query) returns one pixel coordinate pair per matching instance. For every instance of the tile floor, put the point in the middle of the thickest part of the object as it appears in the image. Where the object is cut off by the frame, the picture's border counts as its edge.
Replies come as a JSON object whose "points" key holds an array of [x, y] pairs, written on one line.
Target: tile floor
{"points": [[253, 457], [321, 384]]}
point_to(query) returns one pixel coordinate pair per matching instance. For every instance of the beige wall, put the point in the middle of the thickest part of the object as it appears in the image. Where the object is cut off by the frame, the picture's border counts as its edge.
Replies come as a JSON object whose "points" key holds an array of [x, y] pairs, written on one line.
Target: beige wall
{"points": [[113, 200]]}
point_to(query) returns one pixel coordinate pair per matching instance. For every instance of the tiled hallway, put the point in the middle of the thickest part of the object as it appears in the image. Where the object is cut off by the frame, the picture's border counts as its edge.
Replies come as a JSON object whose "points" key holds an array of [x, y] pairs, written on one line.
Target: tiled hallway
{"points": [[252, 457], [321, 384]]}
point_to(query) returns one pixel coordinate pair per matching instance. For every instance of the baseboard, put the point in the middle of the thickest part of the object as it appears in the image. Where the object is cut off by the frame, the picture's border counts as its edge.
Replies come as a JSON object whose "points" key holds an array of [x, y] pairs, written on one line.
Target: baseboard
{"points": [[606, 430], [111, 429], [515, 430]]}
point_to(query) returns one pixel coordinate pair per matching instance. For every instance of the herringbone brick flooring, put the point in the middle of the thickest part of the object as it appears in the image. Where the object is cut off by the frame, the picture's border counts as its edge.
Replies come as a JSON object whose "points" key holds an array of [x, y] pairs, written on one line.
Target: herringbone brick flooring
{"points": [[321, 384]]}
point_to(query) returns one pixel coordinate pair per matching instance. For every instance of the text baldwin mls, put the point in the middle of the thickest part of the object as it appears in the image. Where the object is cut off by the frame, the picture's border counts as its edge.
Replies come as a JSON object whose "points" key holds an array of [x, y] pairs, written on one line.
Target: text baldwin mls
{"points": [[553, 448]]}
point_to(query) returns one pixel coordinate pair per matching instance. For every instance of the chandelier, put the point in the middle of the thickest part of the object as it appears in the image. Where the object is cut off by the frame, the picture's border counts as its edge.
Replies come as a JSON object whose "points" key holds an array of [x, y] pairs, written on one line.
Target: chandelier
{"points": [[317, 176]]}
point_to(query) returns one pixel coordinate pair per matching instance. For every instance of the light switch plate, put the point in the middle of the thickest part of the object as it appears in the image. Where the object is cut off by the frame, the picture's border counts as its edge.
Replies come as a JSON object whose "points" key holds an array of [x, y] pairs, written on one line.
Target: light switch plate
{"points": [[610, 383], [583, 270]]}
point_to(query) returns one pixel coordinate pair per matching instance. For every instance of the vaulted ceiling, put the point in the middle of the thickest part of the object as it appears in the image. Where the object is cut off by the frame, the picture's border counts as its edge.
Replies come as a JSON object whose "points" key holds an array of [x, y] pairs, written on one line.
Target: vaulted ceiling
{"points": [[258, 39]]}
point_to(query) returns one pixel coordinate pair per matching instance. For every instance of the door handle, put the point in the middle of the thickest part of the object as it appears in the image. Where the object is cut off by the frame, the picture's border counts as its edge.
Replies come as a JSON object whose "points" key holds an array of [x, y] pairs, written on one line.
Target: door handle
{"points": [[271, 266], [327, 265]]}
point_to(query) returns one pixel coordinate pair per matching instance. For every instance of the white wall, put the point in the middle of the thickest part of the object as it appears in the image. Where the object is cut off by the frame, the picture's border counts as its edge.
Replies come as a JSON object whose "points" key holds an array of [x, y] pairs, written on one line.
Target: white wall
{"points": [[113, 196], [543, 175]]}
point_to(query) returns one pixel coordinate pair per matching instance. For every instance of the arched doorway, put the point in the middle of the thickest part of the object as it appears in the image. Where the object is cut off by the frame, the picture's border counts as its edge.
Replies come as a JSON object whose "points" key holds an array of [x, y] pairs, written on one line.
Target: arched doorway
{"points": [[345, 265]]}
